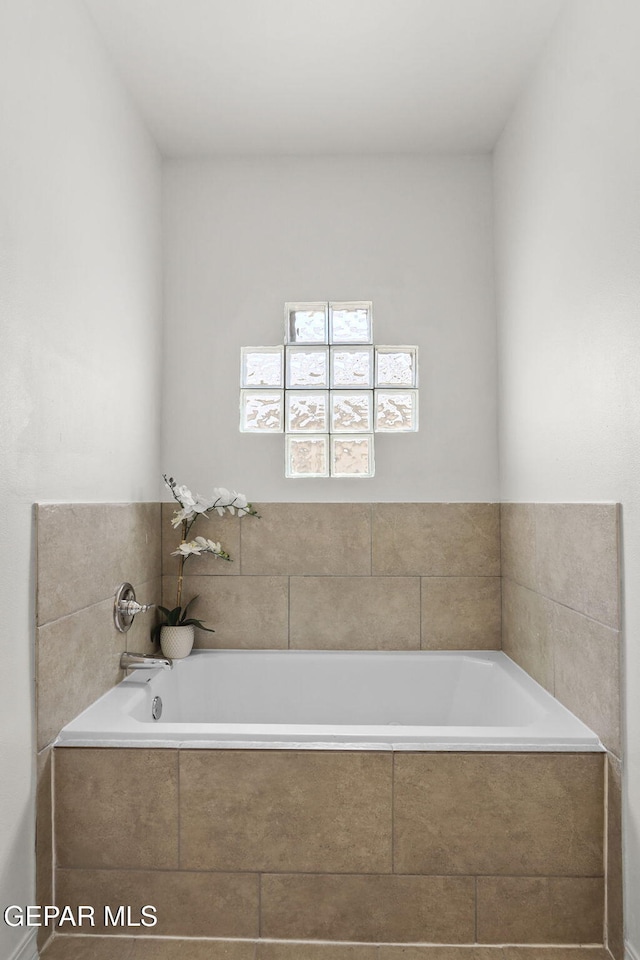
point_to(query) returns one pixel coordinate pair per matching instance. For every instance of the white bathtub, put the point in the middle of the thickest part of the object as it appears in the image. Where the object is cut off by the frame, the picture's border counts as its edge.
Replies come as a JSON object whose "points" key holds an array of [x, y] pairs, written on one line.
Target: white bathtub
{"points": [[333, 700]]}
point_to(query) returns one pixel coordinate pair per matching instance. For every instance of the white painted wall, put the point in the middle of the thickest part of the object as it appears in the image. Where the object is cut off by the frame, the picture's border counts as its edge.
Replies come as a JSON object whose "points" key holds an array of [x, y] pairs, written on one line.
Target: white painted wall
{"points": [[242, 237], [79, 366], [568, 266]]}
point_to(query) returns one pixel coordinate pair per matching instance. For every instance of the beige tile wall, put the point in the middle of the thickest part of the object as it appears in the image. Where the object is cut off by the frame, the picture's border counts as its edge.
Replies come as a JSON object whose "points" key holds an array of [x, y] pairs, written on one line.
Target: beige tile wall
{"points": [[337, 845], [347, 576], [83, 552], [561, 606], [305, 575], [422, 575], [561, 622], [370, 576]]}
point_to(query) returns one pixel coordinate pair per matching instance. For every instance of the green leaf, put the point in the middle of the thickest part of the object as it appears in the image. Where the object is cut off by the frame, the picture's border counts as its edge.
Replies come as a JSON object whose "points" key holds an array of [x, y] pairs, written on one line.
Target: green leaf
{"points": [[186, 607], [196, 623], [173, 619], [200, 625]]}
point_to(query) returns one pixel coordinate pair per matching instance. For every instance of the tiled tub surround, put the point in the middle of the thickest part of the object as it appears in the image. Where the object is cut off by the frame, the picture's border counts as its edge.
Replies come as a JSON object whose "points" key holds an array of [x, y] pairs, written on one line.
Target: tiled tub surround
{"points": [[561, 606], [334, 547], [293, 565], [387, 576], [83, 552], [561, 622], [450, 848]]}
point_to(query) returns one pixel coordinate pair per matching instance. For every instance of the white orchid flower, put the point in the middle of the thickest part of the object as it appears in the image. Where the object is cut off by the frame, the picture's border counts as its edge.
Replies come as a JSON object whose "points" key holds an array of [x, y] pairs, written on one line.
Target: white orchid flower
{"points": [[230, 500], [192, 507], [208, 546], [187, 549], [201, 504], [185, 496], [221, 499], [199, 546], [185, 514], [239, 503]]}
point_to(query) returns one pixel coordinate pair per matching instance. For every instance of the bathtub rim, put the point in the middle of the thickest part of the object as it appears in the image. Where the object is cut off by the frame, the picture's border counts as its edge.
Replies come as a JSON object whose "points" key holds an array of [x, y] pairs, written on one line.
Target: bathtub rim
{"points": [[327, 737]]}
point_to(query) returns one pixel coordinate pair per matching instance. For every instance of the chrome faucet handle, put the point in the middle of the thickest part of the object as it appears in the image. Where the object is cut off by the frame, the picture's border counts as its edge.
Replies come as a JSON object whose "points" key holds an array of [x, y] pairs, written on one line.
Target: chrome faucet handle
{"points": [[132, 607], [125, 607]]}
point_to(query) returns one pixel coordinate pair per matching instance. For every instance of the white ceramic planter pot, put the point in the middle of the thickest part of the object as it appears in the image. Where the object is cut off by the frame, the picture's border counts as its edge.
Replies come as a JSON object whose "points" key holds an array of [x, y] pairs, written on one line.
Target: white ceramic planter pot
{"points": [[177, 642]]}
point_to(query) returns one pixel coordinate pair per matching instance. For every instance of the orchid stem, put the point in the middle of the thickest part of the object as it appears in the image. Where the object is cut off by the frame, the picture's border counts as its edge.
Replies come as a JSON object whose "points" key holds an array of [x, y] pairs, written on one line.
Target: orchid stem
{"points": [[190, 513], [185, 530]]}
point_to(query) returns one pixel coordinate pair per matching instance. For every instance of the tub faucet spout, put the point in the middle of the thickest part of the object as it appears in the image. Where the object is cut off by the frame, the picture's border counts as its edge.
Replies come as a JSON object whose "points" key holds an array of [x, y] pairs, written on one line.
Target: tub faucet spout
{"points": [[144, 661]]}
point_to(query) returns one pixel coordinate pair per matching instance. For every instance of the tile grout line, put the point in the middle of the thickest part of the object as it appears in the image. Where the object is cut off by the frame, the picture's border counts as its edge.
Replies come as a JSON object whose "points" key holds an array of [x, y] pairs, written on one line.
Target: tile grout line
{"points": [[350, 873], [580, 949], [367, 576], [371, 539], [559, 603], [368, 948], [96, 603]]}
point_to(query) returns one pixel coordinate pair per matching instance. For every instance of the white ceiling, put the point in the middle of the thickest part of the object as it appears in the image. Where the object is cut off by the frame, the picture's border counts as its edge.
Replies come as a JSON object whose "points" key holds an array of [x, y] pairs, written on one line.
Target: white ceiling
{"points": [[227, 77]]}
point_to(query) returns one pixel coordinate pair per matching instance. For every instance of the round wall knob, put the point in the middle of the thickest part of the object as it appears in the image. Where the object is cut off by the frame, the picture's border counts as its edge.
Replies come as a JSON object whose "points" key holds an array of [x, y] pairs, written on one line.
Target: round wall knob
{"points": [[125, 607]]}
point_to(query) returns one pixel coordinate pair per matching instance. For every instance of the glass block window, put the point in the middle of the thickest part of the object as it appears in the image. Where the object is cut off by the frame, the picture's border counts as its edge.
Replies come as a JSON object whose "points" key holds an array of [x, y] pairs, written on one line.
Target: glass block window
{"points": [[262, 367], [306, 323], [396, 367], [351, 322], [396, 410], [307, 411], [261, 411], [307, 367], [307, 456], [352, 367], [329, 389], [351, 411], [352, 456]]}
